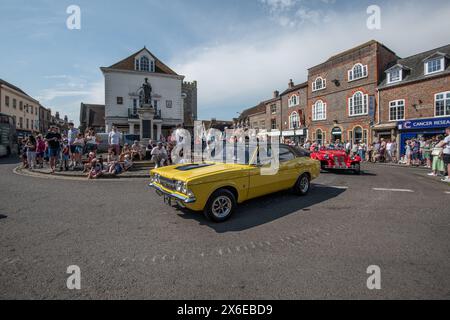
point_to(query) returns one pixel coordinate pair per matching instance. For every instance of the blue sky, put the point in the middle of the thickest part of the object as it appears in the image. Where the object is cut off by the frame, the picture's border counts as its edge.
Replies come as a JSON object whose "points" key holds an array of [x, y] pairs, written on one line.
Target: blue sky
{"points": [[239, 50]]}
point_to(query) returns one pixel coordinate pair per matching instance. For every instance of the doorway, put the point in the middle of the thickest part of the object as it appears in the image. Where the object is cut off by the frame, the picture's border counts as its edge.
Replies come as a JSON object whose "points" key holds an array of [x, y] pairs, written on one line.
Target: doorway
{"points": [[336, 134]]}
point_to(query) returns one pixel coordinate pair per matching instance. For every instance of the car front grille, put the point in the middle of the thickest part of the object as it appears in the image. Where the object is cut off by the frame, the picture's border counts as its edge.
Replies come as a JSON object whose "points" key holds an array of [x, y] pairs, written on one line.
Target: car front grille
{"points": [[167, 183], [339, 160]]}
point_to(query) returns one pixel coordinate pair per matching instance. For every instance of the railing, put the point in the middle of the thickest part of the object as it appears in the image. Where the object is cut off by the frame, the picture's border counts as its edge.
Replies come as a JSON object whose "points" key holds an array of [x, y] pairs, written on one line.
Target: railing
{"points": [[133, 114]]}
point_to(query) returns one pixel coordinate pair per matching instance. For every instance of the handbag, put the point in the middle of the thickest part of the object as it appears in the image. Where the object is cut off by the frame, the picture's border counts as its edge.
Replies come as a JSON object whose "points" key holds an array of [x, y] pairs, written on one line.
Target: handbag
{"points": [[437, 152]]}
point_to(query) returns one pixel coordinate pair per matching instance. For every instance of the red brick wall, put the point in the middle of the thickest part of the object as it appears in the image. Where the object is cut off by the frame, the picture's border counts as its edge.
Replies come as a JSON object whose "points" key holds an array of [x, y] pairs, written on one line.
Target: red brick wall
{"points": [[300, 108], [418, 96], [336, 94]]}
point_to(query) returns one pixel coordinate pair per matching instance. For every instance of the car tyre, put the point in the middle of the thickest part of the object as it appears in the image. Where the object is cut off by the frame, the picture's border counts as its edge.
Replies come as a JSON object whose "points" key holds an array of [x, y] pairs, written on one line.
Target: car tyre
{"points": [[303, 185], [357, 169], [220, 206]]}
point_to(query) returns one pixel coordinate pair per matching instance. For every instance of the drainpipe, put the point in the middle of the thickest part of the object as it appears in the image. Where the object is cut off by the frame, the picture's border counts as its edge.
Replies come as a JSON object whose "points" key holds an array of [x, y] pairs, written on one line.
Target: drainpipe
{"points": [[379, 106]]}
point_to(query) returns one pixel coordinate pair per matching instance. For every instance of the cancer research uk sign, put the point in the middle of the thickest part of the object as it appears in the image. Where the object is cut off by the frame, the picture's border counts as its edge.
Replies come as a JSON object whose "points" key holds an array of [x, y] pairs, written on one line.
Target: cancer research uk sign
{"points": [[424, 124]]}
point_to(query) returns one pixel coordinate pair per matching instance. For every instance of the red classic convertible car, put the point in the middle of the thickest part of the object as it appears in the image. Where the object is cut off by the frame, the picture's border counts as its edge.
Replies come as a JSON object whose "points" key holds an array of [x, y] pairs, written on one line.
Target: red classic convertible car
{"points": [[337, 160]]}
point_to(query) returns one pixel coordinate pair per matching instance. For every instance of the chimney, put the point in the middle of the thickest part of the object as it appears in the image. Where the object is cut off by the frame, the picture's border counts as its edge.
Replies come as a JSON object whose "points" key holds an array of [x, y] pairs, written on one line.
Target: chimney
{"points": [[291, 84], [276, 94]]}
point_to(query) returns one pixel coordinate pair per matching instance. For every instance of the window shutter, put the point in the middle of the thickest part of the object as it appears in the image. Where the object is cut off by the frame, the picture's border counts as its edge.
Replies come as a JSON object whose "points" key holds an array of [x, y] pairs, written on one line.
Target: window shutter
{"points": [[365, 71], [314, 86], [324, 137], [365, 103], [350, 75], [324, 83], [324, 115], [350, 106]]}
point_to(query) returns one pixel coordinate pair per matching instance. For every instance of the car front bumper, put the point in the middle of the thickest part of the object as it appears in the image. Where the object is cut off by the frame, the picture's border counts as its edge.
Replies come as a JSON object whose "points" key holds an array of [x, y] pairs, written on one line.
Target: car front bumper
{"points": [[172, 195]]}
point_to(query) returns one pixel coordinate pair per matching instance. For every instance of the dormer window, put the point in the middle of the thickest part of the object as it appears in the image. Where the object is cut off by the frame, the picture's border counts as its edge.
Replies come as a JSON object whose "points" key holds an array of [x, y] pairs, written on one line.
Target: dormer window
{"points": [[144, 64], [434, 65], [293, 101], [358, 71], [319, 84], [395, 75]]}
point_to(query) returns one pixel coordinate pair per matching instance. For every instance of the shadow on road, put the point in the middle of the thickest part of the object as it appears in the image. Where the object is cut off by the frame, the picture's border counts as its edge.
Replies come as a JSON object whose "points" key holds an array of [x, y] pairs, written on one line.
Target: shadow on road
{"points": [[347, 173], [9, 160], [2, 216], [266, 209]]}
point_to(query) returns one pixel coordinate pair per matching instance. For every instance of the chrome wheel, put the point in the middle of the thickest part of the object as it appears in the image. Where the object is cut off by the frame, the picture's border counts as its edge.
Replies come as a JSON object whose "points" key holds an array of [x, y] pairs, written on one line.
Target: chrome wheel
{"points": [[304, 184], [221, 207]]}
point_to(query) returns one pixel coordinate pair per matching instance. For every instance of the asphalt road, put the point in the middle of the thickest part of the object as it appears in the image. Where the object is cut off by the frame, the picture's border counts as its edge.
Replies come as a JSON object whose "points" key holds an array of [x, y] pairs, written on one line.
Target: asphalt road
{"points": [[129, 245]]}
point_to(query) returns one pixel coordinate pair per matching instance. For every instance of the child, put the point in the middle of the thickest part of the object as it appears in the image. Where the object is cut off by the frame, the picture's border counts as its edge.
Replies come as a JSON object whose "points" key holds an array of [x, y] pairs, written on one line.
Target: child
{"points": [[96, 170], [40, 150], [116, 168], [23, 151], [65, 156], [88, 164], [128, 163]]}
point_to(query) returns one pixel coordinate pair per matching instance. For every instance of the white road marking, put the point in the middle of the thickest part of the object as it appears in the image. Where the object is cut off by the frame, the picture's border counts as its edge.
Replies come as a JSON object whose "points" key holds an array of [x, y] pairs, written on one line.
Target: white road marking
{"points": [[393, 190], [447, 192]]}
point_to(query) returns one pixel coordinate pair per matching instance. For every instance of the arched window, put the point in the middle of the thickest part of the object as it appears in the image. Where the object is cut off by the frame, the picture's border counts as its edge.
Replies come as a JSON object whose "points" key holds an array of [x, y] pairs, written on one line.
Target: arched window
{"points": [[293, 101], [294, 120], [145, 64], [358, 135], [319, 84], [358, 104], [319, 111], [357, 72]]}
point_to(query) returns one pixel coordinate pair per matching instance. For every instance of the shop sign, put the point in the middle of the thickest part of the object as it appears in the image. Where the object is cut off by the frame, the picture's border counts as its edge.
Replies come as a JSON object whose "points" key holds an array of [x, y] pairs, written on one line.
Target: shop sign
{"points": [[424, 124]]}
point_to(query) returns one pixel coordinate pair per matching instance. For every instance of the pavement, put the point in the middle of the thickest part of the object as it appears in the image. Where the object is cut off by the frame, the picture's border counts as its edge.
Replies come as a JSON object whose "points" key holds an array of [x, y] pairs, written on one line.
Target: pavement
{"points": [[129, 245]]}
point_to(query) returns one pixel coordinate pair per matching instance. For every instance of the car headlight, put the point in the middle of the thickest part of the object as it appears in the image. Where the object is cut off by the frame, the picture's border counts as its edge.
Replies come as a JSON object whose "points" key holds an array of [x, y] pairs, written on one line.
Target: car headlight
{"points": [[184, 189], [178, 186], [155, 178]]}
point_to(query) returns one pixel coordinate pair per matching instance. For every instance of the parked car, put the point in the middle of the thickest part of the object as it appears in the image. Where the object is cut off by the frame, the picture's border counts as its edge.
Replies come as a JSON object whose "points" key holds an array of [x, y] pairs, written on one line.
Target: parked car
{"points": [[337, 160], [131, 138], [103, 144], [216, 187]]}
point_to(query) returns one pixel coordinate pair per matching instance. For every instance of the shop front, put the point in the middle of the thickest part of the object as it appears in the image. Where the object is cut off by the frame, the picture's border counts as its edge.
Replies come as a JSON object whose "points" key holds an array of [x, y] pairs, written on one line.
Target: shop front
{"points": [[427, 128], [298, 135]]}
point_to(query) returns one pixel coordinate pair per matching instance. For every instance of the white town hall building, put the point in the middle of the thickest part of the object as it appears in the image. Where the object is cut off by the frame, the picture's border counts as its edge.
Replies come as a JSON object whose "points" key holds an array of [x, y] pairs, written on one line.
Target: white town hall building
{"points": [[124, 93]]}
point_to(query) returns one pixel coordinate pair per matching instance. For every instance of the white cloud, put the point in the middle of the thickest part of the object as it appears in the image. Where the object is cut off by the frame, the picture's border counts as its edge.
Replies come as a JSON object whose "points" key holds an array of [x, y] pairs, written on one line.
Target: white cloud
{"points": [[239, 74], [67, 95]]}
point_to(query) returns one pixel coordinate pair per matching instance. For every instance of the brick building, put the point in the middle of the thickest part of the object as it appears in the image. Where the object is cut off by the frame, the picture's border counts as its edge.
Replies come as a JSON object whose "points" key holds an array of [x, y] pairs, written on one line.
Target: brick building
{"points": [[92, 116], [284, 113], [252, 118], [414, 97], [294, 101], [45, 118], [272, 120], [342, 93]]}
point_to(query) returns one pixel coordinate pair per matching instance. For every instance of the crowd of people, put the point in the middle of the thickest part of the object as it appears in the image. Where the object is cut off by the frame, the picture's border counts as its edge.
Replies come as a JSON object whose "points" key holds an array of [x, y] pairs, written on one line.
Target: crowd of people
{"points": [[74, 150], [432, 153], [77, 151]]}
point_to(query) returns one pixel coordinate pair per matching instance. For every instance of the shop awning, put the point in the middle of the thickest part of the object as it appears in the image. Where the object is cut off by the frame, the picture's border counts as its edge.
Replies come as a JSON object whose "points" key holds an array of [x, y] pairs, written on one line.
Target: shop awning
{"points": [[385, 126]]}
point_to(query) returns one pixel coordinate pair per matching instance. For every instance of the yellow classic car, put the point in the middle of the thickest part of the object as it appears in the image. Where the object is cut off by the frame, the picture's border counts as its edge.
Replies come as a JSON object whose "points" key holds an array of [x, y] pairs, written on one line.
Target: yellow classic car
{"points": [[216, 187]]}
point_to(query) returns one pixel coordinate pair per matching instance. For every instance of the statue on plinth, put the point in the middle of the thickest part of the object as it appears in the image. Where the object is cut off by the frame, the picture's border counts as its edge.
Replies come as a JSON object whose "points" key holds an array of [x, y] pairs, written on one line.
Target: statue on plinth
{"points": [[147, 93]]}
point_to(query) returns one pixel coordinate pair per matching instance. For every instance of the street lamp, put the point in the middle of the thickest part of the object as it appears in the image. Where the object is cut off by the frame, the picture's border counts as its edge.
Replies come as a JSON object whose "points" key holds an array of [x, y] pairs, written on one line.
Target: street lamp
{"points": [[295, 133]]}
